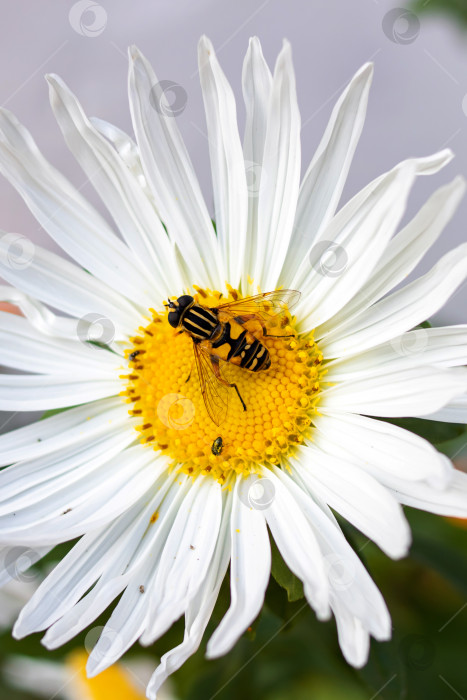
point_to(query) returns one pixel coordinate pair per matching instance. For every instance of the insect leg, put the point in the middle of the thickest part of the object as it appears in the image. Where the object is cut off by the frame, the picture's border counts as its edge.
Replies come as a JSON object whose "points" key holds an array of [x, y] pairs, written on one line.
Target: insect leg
{"points": [[217, 372], [189, 373], [234, 386]]}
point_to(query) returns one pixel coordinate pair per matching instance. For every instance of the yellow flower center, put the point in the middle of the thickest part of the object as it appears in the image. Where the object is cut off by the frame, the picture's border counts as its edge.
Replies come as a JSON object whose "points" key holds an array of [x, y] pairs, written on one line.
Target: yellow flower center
{"points": [[164, 390], [113, 683]]}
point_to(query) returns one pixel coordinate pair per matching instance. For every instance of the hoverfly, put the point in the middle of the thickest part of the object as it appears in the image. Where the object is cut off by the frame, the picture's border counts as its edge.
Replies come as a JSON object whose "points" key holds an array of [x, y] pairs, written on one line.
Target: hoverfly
{"points": [[219, 334]]}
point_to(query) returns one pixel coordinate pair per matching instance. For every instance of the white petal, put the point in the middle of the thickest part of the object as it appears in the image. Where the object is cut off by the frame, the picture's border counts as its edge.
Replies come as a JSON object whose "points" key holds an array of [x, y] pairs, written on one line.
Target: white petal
{"points": [[63, 212], [127, 151], [68, 581], [326, 175], [98, 555], [71, 512], [25, 483], [358, 239], [199, 609], [26, 349], [38, 315], [256, 84], [357, 496], [354, 640], [444, 347], [123, 196], [186, 556], [403, 252], [454, 411], [131, 616], [350, 583], [129, 619], [402, 310], [170, 174], [76, 425], [43, 392], [381, 448], [227, 165], [412, 392], [63, 285], [138, 542], [451, 501], [280, 175], [124, 626], [297, 543], [250, 568]]}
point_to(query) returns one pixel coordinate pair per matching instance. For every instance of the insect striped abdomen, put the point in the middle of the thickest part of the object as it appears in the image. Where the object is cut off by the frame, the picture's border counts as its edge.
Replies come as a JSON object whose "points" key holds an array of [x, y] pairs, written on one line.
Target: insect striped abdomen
{"points": [[240, 347]]}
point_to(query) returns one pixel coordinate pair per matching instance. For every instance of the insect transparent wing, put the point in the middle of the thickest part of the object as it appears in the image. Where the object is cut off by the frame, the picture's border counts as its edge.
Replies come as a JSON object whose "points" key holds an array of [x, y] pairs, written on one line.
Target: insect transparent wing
{"points": [[215, 394], [263, 305]]}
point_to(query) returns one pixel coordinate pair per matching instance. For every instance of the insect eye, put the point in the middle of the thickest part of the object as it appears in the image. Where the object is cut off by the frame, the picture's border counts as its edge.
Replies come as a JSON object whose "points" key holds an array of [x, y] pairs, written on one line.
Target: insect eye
{"points": [[173, 318]]}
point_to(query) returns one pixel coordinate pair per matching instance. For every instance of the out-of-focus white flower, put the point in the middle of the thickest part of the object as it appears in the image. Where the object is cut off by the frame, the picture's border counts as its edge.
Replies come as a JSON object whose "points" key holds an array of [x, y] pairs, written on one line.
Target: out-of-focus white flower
{"points": [[68, 680]]}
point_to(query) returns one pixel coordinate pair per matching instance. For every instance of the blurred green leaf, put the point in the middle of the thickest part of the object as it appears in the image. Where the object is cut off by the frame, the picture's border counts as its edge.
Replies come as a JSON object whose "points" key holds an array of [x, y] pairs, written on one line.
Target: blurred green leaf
{"points": [[436, 432], [455, 9], [441, 544], [284, 576]]}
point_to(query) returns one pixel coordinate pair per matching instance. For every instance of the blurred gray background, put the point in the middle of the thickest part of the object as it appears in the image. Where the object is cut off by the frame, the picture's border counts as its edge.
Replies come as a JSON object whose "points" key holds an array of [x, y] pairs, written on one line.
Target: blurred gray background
{"points": [[418, 103]]}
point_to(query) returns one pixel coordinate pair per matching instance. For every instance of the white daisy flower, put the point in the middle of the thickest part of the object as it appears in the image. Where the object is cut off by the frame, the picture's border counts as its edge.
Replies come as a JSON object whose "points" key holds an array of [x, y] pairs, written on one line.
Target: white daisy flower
{"points": [[164, 497]]}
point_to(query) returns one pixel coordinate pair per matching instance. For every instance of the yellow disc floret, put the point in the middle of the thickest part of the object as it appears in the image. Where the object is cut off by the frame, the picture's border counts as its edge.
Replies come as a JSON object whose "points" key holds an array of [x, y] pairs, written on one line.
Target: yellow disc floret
{"points": [[164, 390]]}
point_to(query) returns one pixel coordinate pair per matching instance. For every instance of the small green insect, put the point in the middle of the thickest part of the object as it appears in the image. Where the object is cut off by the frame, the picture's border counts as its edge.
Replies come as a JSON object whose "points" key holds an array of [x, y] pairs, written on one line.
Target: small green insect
{"points": [[132, 355], [217, 446]]}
